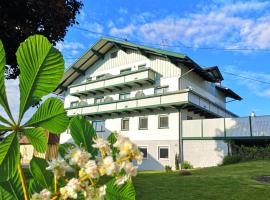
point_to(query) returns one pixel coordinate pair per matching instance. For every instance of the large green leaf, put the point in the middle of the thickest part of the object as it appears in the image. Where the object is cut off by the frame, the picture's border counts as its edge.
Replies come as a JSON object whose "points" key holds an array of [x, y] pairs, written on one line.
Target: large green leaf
{"points": [[34, 187], [12, 189], [112, 139], [4, 120], [123, 192], [9, 156], [37, 137], [51, 115], [41, 69], [4, 128], [5, 194], [39, 172], [83, 133], [3, 96]]}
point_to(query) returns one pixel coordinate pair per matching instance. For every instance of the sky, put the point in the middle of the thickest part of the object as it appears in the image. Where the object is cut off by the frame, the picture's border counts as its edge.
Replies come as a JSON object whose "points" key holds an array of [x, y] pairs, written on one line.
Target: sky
{"points": [[233, 35]]}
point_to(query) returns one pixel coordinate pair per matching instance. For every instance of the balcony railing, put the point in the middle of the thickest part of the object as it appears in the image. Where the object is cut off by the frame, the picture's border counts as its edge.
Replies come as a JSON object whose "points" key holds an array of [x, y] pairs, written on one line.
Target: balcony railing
{"points": [[184, 98], [112, 83]]}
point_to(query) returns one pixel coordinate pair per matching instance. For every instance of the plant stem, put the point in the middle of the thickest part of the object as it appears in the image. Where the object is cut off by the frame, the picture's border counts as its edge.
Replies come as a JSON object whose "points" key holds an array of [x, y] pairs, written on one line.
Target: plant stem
{"points": [[55, 184], [22, 177]]}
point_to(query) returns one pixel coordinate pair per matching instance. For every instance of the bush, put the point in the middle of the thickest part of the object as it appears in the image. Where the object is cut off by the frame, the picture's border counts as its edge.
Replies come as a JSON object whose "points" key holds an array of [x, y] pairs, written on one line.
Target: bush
{"points": [[168, 168], [186, 165], [230, 159]]}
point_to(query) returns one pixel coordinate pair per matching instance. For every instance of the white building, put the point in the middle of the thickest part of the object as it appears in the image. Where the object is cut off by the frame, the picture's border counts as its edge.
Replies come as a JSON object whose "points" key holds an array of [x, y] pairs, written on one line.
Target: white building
{"points": [[144, 93]]}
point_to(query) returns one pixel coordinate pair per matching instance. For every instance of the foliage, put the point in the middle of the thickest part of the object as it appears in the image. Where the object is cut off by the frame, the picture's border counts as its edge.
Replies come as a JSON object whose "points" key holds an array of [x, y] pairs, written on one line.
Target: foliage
{"points": [[231, 159], [176, 160], [91, 158], [90, 171], [42, 67], [186, 165], [22, 18], [245, 153], [168, 168]]}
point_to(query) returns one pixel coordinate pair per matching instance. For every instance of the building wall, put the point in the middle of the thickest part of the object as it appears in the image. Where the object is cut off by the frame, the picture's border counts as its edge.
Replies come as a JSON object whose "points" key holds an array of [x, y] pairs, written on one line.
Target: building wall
{"points": [[204, 153]]}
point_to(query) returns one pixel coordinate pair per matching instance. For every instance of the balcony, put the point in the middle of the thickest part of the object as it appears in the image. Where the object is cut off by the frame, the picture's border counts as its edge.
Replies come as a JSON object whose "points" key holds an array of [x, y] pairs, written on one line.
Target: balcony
{"points": [[185, 99], [112, 83]]}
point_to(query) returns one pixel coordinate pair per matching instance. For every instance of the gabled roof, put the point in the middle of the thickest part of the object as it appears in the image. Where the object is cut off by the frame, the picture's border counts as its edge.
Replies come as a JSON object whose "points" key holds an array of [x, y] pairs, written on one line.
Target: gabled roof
{"points": [[103, 45], [228, 92]]}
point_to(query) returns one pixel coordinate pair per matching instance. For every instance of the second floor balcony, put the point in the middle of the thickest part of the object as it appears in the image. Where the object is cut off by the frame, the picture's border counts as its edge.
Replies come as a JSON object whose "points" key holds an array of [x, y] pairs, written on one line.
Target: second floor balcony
{"points": [[114, 82]]}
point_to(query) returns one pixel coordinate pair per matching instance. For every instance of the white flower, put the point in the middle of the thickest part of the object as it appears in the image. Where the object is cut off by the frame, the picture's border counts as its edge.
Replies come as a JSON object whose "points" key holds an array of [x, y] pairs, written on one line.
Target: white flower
{"points": [[58, 167], [74, 184], [130, 169], [67, 192], [78, 157], [102, 191], [102, 144], [138, 156], [91, 169], [43, 195], [124, 145], [121, 179], [109, 165]]}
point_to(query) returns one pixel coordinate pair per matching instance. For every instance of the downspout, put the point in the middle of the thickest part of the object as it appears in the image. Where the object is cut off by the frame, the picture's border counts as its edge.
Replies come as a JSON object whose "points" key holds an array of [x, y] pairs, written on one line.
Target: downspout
{"points": [[181, 153]]}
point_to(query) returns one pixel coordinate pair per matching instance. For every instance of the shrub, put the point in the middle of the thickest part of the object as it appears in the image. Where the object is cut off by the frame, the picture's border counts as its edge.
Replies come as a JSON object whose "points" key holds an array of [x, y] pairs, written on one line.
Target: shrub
{"points": [[186, 165], [230, 159], [176, 162], [168, 168]]}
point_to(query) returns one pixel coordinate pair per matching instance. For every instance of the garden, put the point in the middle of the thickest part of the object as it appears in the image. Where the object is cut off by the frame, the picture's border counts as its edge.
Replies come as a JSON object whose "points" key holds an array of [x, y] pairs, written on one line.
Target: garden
{"points": [[93, 167]]}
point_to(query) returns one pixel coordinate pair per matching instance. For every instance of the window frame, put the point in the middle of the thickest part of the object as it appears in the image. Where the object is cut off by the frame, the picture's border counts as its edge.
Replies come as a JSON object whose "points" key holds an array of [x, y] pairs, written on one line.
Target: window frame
{"points": [[142, 66], [122, 120], [143, 117], [145, 147], [96, 98], [72, 102], [124, 93], [94, 126], [164, 127], [160, 147], [162, 88]]}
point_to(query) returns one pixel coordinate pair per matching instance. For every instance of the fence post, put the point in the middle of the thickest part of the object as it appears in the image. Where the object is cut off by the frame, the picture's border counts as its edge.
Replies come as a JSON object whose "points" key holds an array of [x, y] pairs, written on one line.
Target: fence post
{"points": [[250, 126]]}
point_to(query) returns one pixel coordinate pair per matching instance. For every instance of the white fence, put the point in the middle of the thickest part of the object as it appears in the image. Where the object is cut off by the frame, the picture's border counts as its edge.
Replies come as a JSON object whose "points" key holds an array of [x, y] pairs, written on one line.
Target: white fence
{"points": [[243, 127]]}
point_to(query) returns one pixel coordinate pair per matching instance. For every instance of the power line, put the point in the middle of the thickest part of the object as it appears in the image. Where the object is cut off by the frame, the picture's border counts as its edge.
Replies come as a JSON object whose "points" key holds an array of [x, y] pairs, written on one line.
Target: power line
{"points": [[245, 77]]}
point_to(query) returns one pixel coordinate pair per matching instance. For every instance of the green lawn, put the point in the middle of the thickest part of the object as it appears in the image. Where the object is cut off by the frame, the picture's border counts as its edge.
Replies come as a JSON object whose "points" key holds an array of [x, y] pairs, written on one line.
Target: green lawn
{"points": [[217, 183]]}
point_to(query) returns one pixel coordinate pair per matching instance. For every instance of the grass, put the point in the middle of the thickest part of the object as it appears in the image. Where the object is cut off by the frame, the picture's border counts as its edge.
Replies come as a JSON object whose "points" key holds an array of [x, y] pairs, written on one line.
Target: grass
{"points": [[231, 182]]}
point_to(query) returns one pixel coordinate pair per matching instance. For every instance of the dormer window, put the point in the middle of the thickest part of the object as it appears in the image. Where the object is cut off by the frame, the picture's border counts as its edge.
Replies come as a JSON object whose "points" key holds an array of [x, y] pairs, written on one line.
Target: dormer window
{"points": [[161, 90], [99, 100], [114, 54], [74, 104], [101, 76]]}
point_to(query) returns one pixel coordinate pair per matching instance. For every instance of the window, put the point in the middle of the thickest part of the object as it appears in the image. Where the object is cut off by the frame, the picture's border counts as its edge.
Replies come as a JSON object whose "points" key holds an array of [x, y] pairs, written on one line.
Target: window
{"points": [[114, 54], [163, 152], [99, 126], [143, 123], [189, 118], [144, 151], [74, 104], [141, 66], [99, 100], [125, 124], [101, 76], [161, 90], [124, 96], [123, 71], [89, 79], [163, 121]]}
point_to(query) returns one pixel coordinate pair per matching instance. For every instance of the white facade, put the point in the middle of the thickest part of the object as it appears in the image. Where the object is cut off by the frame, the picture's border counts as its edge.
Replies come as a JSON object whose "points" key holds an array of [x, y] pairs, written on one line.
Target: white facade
{"points": [[153, 88]]}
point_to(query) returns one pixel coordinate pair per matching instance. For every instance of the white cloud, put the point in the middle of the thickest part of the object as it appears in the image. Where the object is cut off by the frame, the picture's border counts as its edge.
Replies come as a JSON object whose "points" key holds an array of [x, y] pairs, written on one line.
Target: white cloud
{"points": [[242, 24], [62, 46]]}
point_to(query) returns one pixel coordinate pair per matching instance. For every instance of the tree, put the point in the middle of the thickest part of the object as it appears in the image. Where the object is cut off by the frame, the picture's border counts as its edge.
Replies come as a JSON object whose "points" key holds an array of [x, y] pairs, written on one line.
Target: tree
{"points": [[22, 18]]}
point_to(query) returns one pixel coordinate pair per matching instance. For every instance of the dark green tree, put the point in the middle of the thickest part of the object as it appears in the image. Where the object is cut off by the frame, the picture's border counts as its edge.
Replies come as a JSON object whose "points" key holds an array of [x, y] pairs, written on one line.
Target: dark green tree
{"points": [[22, 18]]}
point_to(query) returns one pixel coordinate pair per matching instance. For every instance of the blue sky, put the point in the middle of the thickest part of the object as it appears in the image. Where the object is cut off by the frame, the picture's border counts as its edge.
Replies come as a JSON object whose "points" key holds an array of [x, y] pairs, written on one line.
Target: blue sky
{"points": [[200, 29]]}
